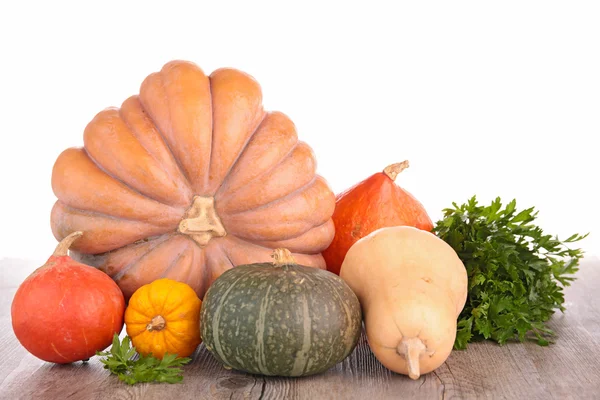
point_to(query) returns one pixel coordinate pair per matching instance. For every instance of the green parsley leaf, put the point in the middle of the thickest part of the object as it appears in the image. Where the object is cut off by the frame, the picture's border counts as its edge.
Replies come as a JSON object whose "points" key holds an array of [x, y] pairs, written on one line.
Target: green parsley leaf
{"points": [[516, 272], [121, 361]]}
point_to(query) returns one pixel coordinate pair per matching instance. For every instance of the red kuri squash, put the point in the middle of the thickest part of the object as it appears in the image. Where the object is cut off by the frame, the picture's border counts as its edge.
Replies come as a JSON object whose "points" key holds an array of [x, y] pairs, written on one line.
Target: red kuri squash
{"points": [[66, 311], [373, 203]]}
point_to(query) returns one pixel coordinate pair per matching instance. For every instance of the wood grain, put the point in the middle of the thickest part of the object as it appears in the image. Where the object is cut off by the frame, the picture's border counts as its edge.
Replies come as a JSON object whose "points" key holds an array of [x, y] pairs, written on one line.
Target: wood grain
{"points": [[567, 369]]}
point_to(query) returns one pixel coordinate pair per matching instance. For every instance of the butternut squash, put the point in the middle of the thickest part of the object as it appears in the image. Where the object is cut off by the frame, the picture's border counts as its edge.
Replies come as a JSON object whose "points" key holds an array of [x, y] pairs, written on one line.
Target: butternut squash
{"points": [[412, 287]]}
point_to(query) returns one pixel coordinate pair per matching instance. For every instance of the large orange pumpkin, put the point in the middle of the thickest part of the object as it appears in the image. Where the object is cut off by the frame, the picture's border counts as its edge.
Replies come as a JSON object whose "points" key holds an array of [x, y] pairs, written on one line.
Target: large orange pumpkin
{"points": [[188, 179]]}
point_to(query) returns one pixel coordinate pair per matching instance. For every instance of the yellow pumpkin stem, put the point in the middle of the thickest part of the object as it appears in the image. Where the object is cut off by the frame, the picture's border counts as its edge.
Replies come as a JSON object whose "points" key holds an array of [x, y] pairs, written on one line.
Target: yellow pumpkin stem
{"points": [[393, 170], [157, 323], [63, 246], [282, 257], [412, 349]]}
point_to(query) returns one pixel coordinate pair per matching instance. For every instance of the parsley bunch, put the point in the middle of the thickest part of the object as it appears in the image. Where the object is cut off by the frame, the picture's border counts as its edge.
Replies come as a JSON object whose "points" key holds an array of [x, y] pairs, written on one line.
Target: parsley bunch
{"points": [[516, 272], [119, 361]]}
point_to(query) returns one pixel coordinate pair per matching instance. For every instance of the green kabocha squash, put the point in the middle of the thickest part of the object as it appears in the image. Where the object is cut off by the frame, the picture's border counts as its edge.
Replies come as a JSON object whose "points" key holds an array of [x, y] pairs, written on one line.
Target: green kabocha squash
{"points": [[280, 318]]}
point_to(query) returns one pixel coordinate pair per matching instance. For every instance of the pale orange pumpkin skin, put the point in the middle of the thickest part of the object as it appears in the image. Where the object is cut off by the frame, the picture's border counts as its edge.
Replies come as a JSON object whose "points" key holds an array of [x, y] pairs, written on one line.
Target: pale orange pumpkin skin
{"points": [[188, 179]]}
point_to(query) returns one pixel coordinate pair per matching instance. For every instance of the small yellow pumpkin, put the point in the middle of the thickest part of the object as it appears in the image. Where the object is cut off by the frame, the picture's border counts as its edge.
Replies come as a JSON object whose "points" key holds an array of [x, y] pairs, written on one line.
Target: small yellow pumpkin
{"points": [[164, 317]]}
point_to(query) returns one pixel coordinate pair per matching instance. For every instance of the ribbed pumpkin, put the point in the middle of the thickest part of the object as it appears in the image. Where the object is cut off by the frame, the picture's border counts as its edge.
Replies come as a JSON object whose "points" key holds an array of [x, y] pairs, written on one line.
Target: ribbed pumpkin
{"points": [[164, 317], [280, 318], [189, 178]]}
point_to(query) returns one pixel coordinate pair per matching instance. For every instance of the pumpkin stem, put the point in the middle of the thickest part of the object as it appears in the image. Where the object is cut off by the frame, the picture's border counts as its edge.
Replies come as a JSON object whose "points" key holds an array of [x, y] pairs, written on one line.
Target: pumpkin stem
{"points": [[63, 246], [201, 221], [282, 257], [412, 349], [393, 170], [156, 324]]}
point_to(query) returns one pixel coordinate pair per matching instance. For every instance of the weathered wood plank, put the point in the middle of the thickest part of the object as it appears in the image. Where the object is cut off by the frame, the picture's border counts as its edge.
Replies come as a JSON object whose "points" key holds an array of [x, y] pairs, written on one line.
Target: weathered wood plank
{"points": [[360, 376], [568, 369], [205, 378]]}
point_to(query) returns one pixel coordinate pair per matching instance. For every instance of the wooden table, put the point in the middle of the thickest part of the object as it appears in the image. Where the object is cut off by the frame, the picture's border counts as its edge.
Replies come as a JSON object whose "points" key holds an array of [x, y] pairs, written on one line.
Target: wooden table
{"points": [[568, 369]]}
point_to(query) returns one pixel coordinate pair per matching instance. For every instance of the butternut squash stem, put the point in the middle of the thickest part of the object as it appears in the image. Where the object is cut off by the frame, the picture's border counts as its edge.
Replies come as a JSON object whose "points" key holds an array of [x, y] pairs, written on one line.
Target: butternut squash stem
{"points": [[393, 170], [64, 245], [412, 349], [282, 257]]}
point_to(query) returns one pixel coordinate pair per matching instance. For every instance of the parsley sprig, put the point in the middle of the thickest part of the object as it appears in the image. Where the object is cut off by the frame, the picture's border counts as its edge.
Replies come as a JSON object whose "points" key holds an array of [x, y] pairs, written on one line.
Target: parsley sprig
{"points": [[516, 272], [120, 361]]}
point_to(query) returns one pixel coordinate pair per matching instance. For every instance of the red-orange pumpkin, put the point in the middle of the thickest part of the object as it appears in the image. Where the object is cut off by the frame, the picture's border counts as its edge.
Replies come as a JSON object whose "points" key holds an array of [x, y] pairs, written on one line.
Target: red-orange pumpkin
{"points": [[373, 203], [190, 178], [66, 311]]}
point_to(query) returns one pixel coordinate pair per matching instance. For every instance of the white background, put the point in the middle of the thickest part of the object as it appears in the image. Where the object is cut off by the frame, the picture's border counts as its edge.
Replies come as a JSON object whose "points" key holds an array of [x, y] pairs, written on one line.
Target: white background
{"points": [[486, 98]]}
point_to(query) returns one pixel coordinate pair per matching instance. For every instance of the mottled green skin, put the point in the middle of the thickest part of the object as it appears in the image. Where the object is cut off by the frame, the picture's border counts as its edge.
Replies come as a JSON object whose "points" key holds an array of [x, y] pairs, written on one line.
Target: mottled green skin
{"points": [[286, 320]]}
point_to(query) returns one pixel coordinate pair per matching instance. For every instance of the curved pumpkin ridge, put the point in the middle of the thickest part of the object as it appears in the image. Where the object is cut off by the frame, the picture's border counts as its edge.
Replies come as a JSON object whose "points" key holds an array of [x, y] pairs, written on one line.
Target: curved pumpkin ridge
{"points": [[197, 279], [289, 216], [145, 341], [217, 259], [178, 101], [161, 291], [179, 328], [272, 142], [154, 344], [123, 260], [112, 146], [239, 252], [173, 341], [181, 268], [102, 233], [79, 183], [295, 171], [147, 134], [113, 263], [180, 334], [312, 241], [268, 232], [237, 113], [138, 319], [153, 265], [180, 303]]}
